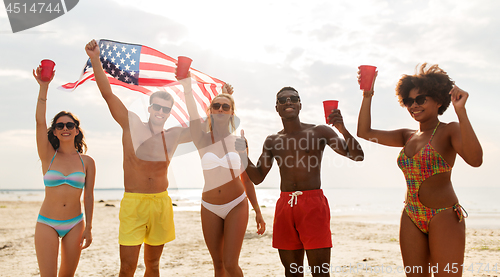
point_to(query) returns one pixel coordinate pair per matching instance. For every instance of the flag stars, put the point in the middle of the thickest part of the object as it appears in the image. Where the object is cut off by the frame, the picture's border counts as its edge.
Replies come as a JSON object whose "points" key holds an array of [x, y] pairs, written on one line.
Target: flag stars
{"points": [[120, 61]]}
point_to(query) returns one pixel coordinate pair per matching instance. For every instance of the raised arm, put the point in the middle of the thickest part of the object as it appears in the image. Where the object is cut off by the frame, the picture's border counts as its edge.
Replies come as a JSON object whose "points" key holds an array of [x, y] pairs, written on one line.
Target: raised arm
{"points": [[195, 125], [463, 138], [88, 201], [45, 149], [115, 105], [389, 138], [349, 146]]}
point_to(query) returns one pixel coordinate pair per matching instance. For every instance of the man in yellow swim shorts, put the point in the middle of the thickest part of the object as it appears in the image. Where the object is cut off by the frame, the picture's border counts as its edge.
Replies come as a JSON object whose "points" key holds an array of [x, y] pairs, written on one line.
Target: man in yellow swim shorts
{"points": [[146, 214], [146, 217]]}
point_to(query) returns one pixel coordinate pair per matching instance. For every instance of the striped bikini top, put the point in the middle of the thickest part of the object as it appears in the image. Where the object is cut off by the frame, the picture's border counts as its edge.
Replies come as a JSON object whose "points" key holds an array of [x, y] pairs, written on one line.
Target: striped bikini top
{"points": [[54, 178], [424, 164]]}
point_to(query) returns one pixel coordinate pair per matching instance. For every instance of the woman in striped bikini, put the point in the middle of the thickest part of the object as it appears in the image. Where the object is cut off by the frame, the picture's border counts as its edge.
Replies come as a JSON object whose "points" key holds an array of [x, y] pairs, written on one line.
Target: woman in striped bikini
{"points": [[432, 230], [67, 173]]}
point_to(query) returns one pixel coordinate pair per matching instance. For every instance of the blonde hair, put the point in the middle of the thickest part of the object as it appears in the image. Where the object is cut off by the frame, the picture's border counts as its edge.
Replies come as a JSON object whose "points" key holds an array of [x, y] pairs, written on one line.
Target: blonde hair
{"points": [[232, 127]]}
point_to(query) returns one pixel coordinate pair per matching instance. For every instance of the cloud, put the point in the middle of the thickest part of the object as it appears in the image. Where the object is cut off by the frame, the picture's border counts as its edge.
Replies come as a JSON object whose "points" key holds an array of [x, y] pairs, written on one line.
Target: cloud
{"points": [[17, 74], [294, 54], [19, 138], [323, 74], [326, 32]]}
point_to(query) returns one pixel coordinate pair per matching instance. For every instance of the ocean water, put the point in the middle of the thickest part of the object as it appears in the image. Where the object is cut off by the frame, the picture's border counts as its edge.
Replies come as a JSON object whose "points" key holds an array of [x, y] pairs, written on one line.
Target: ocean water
{"points": [[378, 205]]}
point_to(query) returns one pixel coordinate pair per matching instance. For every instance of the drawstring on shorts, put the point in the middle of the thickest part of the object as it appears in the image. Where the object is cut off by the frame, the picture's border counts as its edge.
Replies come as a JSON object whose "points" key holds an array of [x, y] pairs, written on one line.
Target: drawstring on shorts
{"points": [[295, 196]]}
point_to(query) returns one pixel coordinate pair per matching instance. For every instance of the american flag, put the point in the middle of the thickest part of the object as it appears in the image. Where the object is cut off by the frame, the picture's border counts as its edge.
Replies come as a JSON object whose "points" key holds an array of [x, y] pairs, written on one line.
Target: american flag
{"points": [[146, 70]]}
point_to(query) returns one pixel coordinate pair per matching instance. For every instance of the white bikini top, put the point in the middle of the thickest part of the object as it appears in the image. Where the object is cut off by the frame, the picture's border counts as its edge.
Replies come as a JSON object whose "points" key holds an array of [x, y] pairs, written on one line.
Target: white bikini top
{"points": [[210, 161], [230, 161]]}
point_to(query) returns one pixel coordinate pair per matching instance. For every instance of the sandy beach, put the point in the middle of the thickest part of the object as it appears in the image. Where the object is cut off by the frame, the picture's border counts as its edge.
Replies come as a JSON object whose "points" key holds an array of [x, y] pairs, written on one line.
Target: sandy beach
{"points": [[360, 249]]}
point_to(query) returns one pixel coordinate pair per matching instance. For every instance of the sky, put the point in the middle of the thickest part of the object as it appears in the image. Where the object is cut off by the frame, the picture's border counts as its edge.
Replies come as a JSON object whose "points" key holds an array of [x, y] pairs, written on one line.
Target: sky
{"points": [[259, 47]]}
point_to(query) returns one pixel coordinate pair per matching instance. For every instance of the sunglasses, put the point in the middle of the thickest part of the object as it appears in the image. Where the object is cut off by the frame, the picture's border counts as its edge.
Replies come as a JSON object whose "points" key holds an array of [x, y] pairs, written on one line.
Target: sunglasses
{"points": [[420, 100], [157, 108], [283, 100], [69, 125], [225, 107]]}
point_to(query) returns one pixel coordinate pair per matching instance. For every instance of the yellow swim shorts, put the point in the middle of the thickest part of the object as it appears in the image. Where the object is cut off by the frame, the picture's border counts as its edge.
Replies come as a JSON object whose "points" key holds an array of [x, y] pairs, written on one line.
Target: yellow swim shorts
{"points": [[146, 217]]}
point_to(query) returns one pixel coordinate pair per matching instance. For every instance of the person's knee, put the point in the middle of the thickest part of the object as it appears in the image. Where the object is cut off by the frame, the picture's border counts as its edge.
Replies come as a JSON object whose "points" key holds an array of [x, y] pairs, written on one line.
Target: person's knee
{"points": [[67, 273], [152, 263], [231, 266], [127, 266], [218, 264], [232, 269]]}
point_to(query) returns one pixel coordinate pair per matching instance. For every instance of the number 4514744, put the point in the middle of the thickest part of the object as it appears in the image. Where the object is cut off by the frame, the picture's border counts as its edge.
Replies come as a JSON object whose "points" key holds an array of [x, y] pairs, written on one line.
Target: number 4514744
{"points": [[482, 267], [35, 8]]}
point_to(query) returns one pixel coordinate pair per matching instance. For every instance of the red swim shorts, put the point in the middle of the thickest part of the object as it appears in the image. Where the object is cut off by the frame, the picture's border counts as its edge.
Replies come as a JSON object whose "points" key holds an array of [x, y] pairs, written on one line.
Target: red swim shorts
{"points": [[302, 221]]}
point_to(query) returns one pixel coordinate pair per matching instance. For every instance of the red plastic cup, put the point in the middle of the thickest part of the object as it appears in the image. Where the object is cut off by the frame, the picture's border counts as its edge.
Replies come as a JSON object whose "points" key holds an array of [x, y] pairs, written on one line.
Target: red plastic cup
{"points": [[47, 69], [183, 64], [330, 105], [367, 73]]}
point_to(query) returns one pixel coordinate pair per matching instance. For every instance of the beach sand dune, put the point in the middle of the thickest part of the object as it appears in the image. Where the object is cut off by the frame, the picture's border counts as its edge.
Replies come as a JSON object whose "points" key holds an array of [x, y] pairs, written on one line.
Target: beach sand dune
{"points": [[360, 248]]}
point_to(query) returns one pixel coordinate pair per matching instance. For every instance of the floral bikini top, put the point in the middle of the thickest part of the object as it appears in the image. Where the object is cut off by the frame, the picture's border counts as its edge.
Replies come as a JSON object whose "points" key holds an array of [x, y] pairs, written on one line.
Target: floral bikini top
{"points": [[424, 164]]}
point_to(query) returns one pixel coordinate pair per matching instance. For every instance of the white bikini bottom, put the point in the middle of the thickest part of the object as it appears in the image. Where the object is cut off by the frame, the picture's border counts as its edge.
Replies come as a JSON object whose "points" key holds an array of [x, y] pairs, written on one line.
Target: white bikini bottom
{"points": [[224, 209]]}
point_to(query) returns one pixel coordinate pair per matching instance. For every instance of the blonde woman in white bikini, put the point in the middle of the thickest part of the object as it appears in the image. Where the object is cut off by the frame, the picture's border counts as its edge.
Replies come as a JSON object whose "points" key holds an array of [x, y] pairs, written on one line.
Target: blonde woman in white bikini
{"points": [[224, 210]]}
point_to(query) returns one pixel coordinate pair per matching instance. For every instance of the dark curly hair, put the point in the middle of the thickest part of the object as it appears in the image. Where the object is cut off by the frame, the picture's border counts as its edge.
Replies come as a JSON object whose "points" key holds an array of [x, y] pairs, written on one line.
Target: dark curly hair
{"points": [[431, 81], [80, 144]]}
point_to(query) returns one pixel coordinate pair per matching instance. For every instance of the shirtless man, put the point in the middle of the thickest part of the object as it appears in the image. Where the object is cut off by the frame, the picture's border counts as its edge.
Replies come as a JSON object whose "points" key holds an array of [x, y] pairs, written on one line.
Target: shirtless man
{"points": [[302, 216], [146, 214]]}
